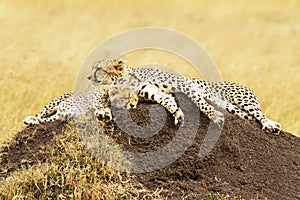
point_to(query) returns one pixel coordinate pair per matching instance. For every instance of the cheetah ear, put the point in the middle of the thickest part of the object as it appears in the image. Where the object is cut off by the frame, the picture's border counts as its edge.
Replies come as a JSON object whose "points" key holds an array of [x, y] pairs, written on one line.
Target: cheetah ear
{"points": [[119, 65]]}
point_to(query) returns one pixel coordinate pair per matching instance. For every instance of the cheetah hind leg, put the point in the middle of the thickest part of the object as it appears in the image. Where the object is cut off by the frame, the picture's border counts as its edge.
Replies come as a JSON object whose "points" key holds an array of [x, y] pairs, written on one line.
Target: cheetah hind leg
{"points": [[254, 112], [199, 99], [270, 126], [48, 113], [253, 109], [33, 120], [233, 109]]}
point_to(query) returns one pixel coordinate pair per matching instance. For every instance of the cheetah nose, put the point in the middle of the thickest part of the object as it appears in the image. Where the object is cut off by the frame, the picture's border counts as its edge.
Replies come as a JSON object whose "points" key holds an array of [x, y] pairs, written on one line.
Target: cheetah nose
{"points": [[89, 77]]}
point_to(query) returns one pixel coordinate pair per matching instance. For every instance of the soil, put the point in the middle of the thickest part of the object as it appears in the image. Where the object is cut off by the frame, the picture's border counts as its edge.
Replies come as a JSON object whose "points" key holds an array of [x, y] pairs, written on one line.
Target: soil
{"points": [[241, 160]]}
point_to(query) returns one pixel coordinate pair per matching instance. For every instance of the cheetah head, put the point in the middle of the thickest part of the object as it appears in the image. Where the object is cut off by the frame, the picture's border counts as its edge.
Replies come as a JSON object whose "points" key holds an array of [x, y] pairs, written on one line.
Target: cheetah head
{"points": [[106, 71]]}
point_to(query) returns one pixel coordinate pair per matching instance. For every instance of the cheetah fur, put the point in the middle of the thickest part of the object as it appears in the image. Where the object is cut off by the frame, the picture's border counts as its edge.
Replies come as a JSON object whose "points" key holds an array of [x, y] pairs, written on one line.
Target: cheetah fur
{"points": [[236, 99]]}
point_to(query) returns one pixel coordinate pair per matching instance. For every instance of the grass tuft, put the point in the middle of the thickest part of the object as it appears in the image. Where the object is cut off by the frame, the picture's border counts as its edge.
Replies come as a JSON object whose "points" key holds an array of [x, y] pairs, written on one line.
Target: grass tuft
{"points": [[71, 172]]}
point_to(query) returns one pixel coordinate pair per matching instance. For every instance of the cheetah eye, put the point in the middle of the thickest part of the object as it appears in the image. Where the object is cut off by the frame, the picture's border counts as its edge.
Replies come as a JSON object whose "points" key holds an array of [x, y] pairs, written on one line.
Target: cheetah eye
{"points": [[120, 62]]}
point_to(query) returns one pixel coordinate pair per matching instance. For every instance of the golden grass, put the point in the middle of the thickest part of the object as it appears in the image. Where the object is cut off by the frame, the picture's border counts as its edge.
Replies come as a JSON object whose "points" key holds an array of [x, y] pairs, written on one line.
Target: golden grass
{"points": [[43, 45]]}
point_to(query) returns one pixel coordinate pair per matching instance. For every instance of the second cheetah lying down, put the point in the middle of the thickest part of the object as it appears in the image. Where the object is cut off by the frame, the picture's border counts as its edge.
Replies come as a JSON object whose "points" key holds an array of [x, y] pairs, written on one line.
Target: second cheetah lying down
{"points": [[73, 104]]}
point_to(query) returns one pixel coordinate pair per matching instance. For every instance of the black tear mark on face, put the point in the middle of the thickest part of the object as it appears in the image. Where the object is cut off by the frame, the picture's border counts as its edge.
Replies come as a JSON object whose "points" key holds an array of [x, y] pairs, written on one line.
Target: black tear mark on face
{"points": [[95, 73]]}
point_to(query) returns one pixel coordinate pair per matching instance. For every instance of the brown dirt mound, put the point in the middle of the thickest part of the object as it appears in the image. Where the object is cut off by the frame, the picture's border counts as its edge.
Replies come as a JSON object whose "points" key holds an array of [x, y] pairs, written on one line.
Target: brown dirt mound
{"points": [[28, 147], [245, 162]]}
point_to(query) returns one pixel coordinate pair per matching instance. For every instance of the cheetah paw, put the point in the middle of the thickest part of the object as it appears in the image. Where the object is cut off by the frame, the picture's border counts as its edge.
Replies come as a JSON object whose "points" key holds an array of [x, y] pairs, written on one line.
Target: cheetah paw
{"points": [[103, 114], [133, 101], [179, 117], [30, 120], [218, 118], [270, 126], [131, 105]]}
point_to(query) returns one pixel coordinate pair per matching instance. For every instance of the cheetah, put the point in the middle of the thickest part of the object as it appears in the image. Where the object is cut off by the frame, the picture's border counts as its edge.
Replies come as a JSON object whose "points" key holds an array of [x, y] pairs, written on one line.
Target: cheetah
{"points": [[115, 72], [236, 99], [71, 105], [140, 90]]}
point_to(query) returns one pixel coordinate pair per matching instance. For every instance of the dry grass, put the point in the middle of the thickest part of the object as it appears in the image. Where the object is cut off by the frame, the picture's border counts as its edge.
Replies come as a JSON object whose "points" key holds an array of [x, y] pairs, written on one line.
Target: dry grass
{"points": [[70, 172], [43, 45]]}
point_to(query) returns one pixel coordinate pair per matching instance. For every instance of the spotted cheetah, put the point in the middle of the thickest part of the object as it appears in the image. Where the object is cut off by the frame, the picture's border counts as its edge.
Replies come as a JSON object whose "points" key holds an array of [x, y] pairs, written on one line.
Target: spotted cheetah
{"points": [[74, 104], [71, 105], [113, 71], [236, 99], [140, 89]]}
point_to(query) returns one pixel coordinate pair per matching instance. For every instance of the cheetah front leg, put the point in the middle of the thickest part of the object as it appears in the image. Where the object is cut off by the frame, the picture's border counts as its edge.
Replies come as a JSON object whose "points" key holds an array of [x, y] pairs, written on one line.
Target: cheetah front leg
{"points": [[102, 111], [150, 92], [133, 99]]}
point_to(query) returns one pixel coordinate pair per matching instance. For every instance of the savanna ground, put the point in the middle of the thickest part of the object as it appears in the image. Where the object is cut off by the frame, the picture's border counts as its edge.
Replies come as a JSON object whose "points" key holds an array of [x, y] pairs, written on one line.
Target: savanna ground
{"points": [[43, 45]]}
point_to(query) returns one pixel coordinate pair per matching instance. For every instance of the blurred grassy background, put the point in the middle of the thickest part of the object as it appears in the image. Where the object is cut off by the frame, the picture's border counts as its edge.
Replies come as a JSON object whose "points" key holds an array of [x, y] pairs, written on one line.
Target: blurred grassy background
{"points": [[43, 44]]}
